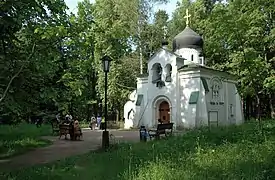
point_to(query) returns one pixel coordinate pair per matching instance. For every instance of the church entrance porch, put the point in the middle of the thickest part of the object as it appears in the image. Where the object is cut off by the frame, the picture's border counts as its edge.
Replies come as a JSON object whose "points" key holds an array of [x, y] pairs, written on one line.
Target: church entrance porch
{"points": [[161, 110], [164, 112]]}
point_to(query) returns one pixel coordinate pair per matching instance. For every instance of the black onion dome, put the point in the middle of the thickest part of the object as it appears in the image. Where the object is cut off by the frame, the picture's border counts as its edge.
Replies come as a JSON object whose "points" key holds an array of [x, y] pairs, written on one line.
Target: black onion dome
{"points": [[187, 39]]}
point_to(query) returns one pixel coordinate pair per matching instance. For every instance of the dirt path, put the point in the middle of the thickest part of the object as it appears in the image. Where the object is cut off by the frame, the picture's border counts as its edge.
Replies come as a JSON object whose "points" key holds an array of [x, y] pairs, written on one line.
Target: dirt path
{"points": [[64, 148]]}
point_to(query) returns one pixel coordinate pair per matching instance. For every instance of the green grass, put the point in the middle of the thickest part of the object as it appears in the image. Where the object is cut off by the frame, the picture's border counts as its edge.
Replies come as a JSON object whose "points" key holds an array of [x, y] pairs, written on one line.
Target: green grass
{"points": [[20, 138], [84, 124], [231, 153]]}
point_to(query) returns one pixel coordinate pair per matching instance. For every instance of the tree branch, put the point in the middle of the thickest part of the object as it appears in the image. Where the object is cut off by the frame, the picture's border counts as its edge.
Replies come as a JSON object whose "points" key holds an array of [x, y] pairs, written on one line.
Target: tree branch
{"points": [[14, 76]]}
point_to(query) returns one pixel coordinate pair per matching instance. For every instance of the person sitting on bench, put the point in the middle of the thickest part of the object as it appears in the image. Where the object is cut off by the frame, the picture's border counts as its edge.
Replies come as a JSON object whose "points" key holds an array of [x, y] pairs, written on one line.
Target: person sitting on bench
{"points": [[68, 119], [160, 121], [77, 129]]}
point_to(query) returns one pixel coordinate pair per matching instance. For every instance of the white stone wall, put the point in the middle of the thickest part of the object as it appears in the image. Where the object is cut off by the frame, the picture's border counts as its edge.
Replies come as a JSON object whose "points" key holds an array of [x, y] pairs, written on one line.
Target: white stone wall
{"points": [[168, 92], [178, 92], [202, 115], [187, 54], [189, 82], [231, 101], [142, 88], [128, 122]]}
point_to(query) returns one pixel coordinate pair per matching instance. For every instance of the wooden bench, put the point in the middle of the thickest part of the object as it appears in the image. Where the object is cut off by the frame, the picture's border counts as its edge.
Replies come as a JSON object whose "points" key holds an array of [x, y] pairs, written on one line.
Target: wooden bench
{"points": [[161, 129], [65, 129]]}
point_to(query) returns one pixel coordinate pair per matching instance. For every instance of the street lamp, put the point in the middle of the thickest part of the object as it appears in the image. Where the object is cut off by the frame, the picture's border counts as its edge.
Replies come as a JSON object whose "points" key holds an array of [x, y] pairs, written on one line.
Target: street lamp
{"points": [[106, 60]]}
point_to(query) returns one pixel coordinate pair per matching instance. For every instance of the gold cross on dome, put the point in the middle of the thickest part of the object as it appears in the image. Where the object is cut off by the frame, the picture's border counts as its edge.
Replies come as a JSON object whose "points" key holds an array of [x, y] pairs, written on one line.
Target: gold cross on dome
{"points": [[187, 16]]}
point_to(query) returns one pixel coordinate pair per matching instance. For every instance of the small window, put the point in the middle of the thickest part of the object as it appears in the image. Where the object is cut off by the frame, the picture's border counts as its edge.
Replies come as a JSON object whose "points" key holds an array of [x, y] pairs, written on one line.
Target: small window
{"points": [[192, 57], [194, 97], [231, 110], [168, 68], [139, 100]]}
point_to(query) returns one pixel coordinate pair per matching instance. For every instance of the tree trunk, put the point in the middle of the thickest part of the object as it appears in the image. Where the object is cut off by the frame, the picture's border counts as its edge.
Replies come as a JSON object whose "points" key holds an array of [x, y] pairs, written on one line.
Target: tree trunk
{"points": [[117, 115], [88, 117], [16, 74], [271, 106], [258, 107], [254, 108], [247, 107], [140, 45]]}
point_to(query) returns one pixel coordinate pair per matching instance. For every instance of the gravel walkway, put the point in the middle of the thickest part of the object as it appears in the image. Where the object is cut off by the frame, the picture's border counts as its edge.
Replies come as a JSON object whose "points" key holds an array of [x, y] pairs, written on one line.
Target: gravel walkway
{"points": [[64, 148]]}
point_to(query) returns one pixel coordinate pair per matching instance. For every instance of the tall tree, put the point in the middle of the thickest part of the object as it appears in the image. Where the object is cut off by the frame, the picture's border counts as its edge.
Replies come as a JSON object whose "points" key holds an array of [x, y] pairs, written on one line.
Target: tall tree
{"points": [[155, 33], [23, 56]]}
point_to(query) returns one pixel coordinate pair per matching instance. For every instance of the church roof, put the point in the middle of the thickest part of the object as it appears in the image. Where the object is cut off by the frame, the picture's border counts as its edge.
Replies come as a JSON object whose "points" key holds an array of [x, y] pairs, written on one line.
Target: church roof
{"points": [[163, 49], [194, 66], [187, 39], [144, 75]]}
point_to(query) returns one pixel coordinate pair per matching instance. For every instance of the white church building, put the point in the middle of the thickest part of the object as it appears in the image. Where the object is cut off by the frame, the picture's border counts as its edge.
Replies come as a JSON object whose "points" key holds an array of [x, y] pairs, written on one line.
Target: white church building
{"points": [[179, 88]]}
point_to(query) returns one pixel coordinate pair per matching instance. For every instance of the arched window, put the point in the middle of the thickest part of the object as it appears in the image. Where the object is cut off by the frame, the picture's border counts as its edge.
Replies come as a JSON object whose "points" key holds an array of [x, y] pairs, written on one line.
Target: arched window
{"points": [[168, 71], [217, 91], [192, 57], [156, 73]]}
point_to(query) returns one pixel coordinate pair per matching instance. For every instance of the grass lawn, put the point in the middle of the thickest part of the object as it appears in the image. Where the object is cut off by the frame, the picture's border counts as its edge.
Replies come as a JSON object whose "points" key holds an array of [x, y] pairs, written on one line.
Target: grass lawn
{"points": [[223, 153], [84, 124], [20, 138]]}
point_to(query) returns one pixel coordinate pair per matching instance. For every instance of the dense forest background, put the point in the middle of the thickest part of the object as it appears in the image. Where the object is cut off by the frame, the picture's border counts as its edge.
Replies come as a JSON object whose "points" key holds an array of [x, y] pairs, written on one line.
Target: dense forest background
{"points": [[50, 60]]}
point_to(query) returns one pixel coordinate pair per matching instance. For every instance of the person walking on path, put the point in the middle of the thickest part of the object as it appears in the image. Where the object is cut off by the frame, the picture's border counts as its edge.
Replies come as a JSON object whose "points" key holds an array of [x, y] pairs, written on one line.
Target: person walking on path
{"points": [[99, 122], [92, 123]]}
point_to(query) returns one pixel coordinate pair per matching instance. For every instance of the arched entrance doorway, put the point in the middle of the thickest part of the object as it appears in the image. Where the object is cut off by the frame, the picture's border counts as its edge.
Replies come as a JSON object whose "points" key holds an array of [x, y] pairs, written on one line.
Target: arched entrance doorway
{"points": [[164, 112]]}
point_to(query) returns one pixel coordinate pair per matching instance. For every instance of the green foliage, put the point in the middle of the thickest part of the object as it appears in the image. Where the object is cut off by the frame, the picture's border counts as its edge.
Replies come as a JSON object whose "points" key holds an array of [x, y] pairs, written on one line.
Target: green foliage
{"points": [[20, 138], [50, 60], [223, 153], [112, 39], [29, 55], [154, 34]]}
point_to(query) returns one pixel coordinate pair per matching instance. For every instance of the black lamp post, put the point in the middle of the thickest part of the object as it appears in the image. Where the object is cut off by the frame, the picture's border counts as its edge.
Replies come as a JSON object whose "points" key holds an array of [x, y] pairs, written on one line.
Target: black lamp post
{"points": [[106, 60]]}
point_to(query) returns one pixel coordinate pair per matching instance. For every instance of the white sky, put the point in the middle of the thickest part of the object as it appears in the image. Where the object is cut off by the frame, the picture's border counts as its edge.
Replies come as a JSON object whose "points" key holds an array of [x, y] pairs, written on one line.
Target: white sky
{"points": [[169, 7]]}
